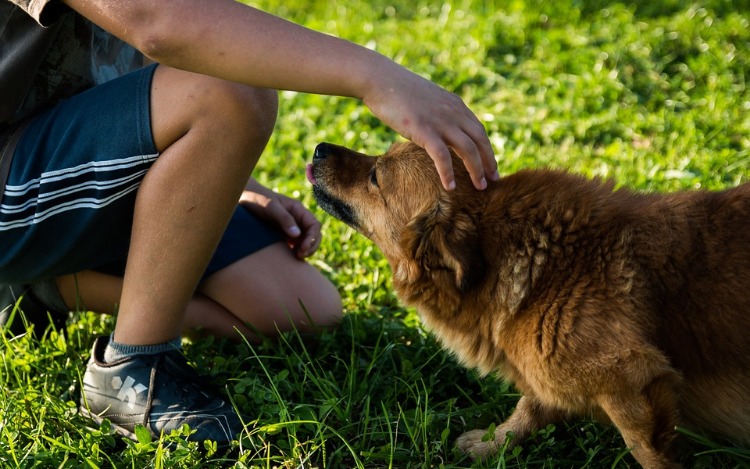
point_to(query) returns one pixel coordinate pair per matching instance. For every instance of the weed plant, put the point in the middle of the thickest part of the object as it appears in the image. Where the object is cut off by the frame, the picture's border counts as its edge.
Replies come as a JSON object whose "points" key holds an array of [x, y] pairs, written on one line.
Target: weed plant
{"points": [[651, 94]]}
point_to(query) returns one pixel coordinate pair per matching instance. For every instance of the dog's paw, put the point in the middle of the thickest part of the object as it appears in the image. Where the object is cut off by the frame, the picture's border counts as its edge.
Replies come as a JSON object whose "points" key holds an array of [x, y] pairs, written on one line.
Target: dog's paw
{"points": [[479, 444]]}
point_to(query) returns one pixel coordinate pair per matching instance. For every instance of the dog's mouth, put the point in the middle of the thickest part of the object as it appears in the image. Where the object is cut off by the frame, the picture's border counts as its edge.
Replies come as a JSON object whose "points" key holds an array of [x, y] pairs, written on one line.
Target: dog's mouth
{"points": [[331, 204], [310, 174]]}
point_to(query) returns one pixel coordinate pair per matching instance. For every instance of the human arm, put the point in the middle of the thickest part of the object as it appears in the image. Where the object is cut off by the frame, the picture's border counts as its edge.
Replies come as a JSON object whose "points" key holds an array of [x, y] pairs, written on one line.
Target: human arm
{"points": [[228, 40]]}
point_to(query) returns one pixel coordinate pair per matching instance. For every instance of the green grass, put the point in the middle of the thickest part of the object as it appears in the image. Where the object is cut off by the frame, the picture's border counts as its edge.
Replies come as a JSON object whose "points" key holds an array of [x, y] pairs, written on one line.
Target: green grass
{"points": [[652, 94]]}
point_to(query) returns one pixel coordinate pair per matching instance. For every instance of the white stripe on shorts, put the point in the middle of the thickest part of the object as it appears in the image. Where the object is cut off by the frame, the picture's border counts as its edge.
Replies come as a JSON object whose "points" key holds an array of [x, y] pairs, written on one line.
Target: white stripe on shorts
{"points": [[67, 173], [49, 196], [94, 177]]}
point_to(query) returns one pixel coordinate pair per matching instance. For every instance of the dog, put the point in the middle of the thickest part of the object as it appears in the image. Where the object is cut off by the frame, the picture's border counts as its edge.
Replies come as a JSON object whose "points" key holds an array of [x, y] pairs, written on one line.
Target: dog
{"points": [[631, 307]]}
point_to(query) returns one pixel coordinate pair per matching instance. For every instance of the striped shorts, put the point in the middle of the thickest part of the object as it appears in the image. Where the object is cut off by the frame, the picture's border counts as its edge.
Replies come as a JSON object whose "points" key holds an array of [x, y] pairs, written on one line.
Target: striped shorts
{"points": [[69, 199]]}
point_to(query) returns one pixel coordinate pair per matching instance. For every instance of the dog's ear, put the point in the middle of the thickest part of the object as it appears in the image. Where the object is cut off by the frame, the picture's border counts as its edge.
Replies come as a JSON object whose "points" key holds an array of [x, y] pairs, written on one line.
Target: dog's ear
{"points": [[441, 240]]}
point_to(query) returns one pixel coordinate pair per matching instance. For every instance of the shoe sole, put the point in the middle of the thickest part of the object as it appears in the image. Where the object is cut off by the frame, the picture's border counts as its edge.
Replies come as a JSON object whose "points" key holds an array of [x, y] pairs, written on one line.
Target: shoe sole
{"points": [[98, 420], [225, 447]]}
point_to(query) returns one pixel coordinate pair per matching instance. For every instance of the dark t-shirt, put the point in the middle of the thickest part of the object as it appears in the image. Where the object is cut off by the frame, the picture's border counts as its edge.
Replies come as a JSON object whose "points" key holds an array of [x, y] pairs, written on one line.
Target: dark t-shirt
{"points": [[49, 53]]}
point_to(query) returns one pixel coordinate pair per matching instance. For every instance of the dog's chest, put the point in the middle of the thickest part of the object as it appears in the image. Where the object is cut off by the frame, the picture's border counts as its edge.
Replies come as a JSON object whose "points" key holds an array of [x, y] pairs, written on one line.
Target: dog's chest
{"points": [[474, 342]]}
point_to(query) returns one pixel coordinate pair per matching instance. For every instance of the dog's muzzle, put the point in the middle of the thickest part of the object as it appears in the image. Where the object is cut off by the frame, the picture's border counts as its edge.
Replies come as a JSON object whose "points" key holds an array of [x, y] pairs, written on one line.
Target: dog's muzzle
{"points": [[331, 204]]}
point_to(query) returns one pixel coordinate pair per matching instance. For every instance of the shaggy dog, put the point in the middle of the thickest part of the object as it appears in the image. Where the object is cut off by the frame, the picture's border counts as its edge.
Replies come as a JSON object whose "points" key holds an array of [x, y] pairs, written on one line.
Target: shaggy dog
{"points": [[634, 308]]}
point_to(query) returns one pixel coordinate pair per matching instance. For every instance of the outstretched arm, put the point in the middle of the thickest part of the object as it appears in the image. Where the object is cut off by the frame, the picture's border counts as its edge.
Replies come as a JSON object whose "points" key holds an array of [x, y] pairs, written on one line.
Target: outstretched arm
{"points": [[228, 40]]}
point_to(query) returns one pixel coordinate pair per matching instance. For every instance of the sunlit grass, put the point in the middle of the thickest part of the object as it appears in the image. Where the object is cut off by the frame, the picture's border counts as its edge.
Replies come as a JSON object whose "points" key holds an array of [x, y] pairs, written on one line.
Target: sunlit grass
{"points": [[652, 94]]}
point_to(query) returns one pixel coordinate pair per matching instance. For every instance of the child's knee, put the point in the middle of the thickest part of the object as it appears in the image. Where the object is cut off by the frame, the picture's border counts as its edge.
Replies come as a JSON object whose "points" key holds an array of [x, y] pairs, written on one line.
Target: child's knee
{"points": [[254, 109], [320, 305], [228, 112], [329, 307]]}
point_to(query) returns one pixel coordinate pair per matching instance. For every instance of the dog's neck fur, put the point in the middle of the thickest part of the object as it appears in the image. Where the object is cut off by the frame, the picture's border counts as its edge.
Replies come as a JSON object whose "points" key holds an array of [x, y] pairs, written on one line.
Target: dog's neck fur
{"points": [[539, 240]]}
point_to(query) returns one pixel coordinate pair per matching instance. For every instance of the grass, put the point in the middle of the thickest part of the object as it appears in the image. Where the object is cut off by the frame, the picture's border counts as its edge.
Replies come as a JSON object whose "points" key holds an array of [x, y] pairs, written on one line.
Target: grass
{"points": [[652, 94]]}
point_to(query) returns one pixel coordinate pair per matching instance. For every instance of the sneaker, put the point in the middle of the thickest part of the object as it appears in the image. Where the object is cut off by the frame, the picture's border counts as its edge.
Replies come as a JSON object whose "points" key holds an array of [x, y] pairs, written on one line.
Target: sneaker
{"points": [[161, 392]]}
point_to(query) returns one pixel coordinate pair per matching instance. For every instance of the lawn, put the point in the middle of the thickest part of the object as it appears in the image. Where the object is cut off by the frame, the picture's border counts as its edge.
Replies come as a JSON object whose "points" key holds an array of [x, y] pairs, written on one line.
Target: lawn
{"points": [[651, 94]]}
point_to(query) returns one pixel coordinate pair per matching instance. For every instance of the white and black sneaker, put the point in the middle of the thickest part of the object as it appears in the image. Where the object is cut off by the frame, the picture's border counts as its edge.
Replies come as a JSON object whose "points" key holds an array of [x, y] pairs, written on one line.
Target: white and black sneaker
{"points": [[160, 391]]}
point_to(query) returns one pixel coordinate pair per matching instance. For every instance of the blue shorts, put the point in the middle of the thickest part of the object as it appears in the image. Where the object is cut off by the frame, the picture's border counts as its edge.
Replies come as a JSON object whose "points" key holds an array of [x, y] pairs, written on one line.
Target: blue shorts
{"points": [[69, 199]]}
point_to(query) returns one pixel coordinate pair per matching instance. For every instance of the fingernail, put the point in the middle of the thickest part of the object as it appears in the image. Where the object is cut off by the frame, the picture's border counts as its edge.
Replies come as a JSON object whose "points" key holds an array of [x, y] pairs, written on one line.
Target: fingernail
{"points": [[295, 231], [495, 176], [483, 183]]}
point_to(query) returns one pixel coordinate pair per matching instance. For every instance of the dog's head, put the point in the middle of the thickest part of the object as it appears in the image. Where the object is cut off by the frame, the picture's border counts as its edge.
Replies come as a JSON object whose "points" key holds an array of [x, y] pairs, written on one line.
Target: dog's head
{"points": [[398, 201]]}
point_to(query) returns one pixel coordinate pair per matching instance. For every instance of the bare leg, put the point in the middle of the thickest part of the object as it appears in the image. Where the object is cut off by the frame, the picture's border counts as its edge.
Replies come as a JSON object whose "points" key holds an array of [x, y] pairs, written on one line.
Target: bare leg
{"points": [[266, 290], [94, 291], [274, 291], [210, 134]]}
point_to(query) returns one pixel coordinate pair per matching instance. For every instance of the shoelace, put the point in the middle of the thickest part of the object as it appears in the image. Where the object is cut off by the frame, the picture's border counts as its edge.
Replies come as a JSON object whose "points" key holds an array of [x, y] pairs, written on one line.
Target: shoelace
{"points": [[151, 383]]}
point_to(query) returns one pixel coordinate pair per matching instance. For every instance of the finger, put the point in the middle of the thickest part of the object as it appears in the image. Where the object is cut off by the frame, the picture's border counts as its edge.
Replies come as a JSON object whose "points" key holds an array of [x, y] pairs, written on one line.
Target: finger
{"points": [[305, 219], [441, 156], [467, 150], [478, 135], [285, 220], [309, 245], [474, 128]]}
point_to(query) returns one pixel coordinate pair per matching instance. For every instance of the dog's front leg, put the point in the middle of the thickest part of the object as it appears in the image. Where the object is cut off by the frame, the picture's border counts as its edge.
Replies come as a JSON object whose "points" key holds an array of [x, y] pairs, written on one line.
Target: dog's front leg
{"points": [[530, 415]]}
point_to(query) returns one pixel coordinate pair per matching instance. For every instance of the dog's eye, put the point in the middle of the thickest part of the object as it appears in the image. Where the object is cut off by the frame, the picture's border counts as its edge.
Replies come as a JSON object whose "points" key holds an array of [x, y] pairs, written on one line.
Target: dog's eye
{"points": [[374, 177]]}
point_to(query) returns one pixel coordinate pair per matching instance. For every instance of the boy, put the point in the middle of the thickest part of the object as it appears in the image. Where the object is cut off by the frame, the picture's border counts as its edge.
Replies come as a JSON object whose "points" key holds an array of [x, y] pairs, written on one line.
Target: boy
{"points": [[123, 181]]}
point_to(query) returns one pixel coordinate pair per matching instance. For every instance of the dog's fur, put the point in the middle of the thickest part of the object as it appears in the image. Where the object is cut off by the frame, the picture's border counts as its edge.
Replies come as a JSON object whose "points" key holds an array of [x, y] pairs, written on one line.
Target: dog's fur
{"points": [[632, 307]]}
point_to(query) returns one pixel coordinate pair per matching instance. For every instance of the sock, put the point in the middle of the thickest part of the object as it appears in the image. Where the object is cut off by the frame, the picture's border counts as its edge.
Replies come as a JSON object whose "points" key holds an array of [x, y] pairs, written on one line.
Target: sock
{"points": [[115, 351]]}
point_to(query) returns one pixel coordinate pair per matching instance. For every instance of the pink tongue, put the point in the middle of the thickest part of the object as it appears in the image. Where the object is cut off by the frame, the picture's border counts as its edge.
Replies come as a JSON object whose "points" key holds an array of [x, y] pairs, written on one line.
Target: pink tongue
{"points": [[309, 173]]}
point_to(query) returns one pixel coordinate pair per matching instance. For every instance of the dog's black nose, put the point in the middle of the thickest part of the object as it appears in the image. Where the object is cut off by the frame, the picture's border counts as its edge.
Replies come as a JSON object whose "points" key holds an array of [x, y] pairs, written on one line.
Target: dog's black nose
{"points": [[321, 151]]}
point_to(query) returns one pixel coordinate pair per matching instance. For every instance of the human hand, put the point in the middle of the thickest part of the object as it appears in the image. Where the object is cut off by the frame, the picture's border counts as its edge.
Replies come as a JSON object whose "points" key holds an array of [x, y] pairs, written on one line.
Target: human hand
{"points": [[434, 119], [297, 222]]}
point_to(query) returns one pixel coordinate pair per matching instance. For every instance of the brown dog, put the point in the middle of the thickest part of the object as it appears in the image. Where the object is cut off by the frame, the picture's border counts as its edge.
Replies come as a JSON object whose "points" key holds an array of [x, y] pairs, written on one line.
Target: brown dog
{"points": [[632, 307]]}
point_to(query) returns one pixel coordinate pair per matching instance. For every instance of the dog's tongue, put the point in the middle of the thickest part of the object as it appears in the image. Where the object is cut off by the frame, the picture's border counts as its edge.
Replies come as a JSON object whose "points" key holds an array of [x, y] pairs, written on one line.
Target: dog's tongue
{"points": [[309, 174]]}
